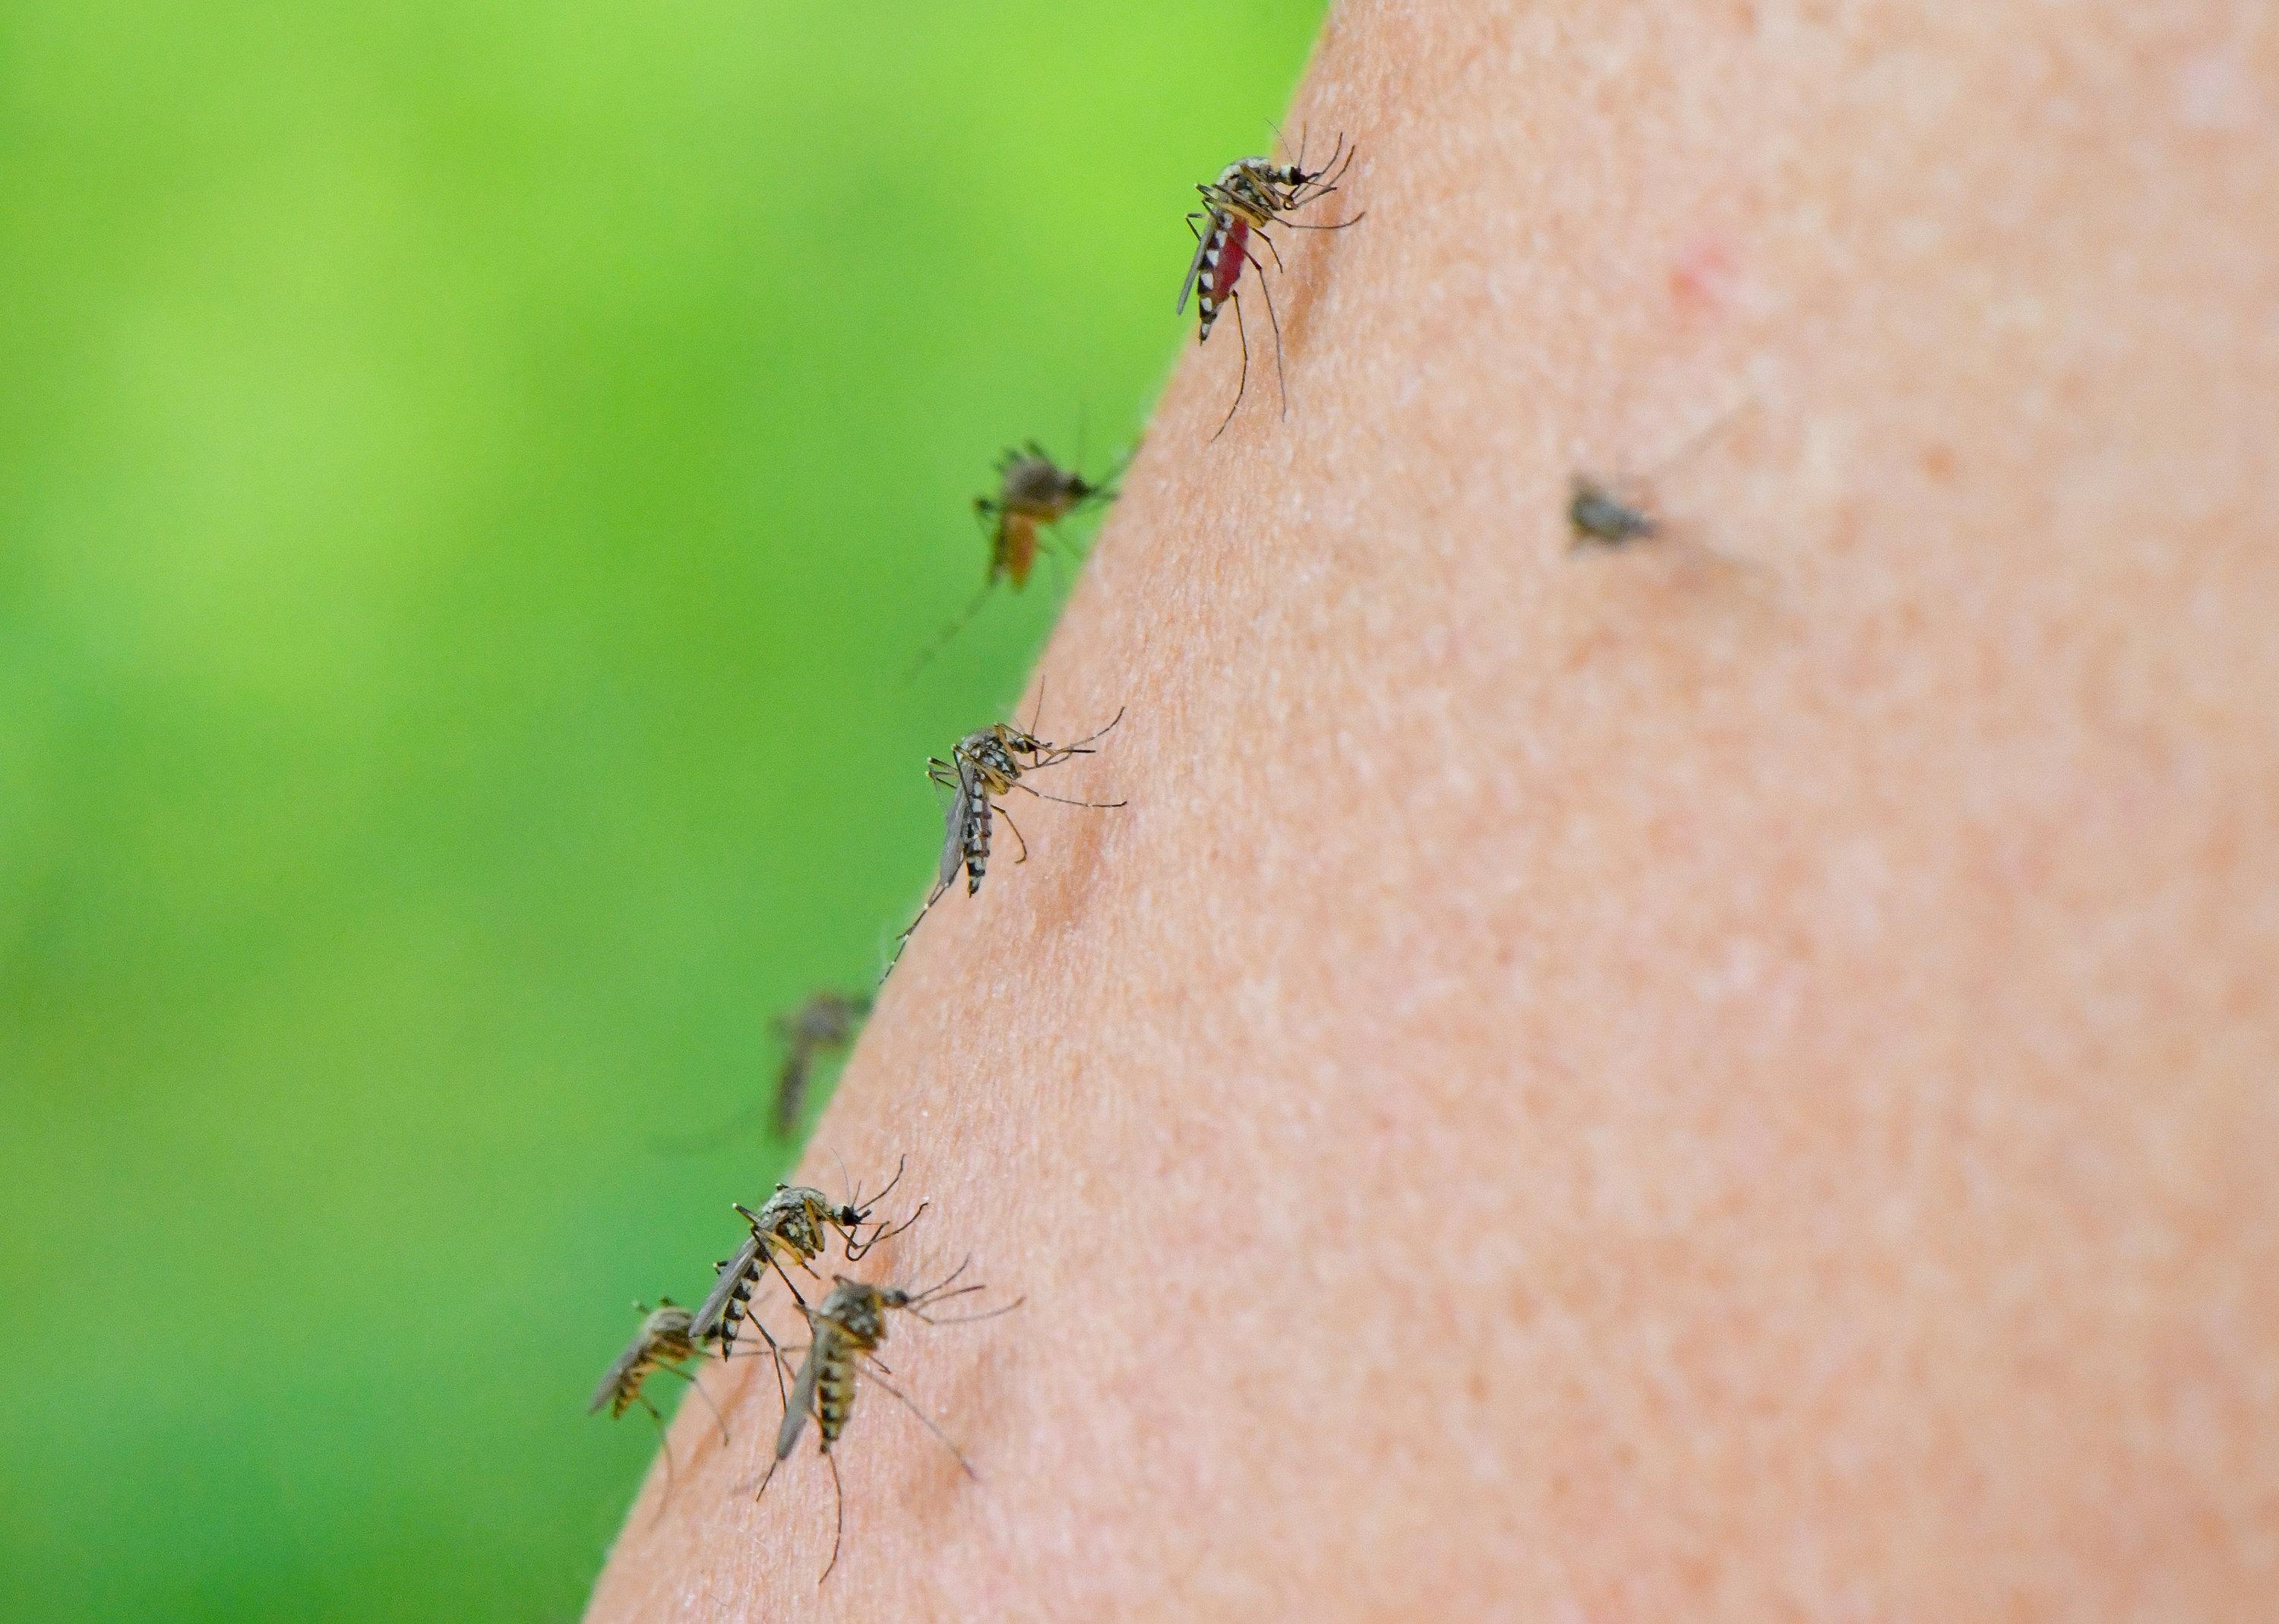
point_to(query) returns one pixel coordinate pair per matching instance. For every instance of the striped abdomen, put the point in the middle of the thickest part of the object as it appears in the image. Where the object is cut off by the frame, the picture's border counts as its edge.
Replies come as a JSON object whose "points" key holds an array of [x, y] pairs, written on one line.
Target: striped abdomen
{"points": [[1224, 253], [976, 831], [834, 1385]]}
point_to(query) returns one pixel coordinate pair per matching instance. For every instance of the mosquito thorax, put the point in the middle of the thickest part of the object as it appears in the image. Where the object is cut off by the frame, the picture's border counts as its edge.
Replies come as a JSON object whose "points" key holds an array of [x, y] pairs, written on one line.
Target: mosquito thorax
{"points": [[791, 1216], [1039, 489], [857, 1309], [1248, 186]]}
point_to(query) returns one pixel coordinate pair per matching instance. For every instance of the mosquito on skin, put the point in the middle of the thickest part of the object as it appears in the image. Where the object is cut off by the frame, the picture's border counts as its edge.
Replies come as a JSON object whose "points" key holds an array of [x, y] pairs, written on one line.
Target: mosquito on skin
{"points": [[665, 1341], [825, 1023], [822, 1025], [983, 767], [792, 1225], [847, 1329], [1597, 515], [1034, 493], [1250, 195]]}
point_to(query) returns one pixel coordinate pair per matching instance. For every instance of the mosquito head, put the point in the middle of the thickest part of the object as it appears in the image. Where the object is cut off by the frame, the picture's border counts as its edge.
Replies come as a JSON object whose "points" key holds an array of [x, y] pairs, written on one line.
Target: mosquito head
{"points": [[1296, 177]]}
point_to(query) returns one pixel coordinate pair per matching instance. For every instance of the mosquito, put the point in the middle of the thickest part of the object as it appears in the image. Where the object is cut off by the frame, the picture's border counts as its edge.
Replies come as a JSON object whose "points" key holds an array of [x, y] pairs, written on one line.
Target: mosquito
{"points": [[846, 1330], [792, 1225], [1597, 515], [824, 1023], [983, 767], [1034, 493], [1250, 195], [665, 1341]]}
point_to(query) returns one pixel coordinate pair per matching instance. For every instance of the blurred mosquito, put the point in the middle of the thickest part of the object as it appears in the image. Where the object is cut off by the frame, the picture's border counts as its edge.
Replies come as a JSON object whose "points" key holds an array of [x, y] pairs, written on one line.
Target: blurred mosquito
{"points": [[664, 1343], [822, 1025], [982, 767], [1598, 515], [846, 1330], [793, 1226], [825, 1023], [1250, 195], [1034, 493]]}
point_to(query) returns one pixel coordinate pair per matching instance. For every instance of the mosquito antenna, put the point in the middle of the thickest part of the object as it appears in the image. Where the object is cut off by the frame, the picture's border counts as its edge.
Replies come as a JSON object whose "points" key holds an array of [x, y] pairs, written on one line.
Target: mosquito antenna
{"points": [[1097, 805], [856, 1251], [1037, 714], [866, 1206], [1052, 755], [933, 1291], [1101, 733], [918, 1305], [969, 1319]]}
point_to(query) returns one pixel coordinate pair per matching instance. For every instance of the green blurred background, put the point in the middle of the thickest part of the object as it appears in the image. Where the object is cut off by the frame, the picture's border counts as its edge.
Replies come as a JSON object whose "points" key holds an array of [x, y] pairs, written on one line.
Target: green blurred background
{"points": [[472, 476]]}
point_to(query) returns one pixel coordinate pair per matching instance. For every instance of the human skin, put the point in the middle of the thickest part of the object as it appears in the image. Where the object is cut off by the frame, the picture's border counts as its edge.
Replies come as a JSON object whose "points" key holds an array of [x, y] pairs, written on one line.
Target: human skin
{"points": [[1732, 1077]]}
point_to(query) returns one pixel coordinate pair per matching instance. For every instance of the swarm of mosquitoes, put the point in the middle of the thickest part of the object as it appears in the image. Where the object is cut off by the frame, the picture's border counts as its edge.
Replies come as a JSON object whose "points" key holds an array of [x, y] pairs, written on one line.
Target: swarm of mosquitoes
{"points": [[793, 1229]]}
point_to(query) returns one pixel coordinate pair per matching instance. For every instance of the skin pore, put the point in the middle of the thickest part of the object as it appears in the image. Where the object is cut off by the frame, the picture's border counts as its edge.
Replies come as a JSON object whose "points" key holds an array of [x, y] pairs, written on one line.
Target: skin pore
{"points": [[1732, 1076]]}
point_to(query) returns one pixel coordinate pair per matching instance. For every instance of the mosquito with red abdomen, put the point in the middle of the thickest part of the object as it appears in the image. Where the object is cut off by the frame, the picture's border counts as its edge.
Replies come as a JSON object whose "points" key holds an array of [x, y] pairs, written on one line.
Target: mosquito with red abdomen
{"points": [[1250, 195], [1034, 493], [984, 766], [847, 1329]]}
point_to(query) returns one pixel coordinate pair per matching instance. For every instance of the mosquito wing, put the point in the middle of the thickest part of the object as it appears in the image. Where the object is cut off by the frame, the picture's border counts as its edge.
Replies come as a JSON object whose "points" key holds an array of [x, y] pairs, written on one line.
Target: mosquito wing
{"points": [[628, 1361], [802, 1398], [1195, 265], [710, 1320], [953, 843]]}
